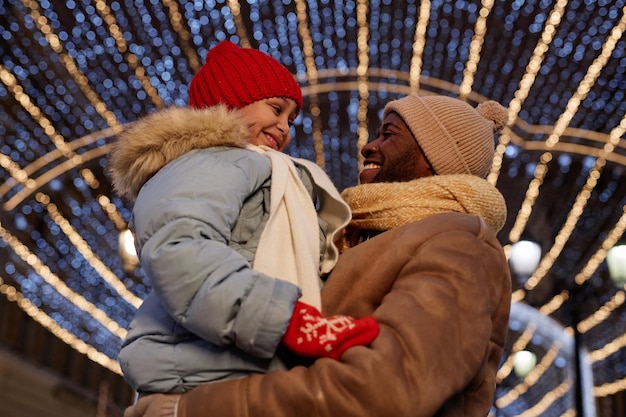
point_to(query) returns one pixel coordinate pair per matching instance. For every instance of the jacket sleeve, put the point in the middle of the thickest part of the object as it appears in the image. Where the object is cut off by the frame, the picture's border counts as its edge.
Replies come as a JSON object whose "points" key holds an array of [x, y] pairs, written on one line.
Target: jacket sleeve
{"points": [[183, 218], [437, 337]]}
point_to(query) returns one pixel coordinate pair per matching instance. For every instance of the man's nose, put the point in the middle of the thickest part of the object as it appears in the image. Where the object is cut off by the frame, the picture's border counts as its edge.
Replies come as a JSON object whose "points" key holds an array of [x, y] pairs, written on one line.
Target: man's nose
{"points": [[369, 149]]}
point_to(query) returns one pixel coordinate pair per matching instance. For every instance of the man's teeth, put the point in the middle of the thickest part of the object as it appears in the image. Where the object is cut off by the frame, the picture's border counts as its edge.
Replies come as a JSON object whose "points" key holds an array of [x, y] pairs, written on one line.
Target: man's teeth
{"points": [[371, 166]]}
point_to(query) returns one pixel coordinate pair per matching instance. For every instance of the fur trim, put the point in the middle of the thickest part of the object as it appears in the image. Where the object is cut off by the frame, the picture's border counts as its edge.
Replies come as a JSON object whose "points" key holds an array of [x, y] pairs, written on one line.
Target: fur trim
{"points": [[154, 141]]}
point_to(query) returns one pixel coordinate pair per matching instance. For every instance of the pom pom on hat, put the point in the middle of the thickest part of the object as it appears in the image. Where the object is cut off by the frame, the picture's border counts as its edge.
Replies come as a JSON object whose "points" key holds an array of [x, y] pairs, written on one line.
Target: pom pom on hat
{"points": [[237, 77], [455, 137], [492, 110]]}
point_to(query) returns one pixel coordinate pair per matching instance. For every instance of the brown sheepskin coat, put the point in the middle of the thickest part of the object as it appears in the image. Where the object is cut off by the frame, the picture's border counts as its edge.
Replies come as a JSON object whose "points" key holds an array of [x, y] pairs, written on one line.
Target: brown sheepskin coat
{"points": [[440, 289]]}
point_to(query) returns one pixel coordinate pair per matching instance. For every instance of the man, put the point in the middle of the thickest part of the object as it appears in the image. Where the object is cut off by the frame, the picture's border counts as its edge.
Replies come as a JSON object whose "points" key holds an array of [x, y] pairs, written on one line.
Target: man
{"points": [[421, 256]]}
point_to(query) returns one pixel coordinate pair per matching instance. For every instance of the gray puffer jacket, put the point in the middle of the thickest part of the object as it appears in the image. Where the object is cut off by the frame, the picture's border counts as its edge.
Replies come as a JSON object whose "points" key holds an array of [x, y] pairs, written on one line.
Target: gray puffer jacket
{"points": [[201, 203]]}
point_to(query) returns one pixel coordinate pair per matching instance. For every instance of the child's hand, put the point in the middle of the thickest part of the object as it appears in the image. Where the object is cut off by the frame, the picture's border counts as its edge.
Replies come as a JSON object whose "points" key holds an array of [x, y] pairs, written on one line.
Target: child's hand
{"points": [[312, 335], [154, 405]]}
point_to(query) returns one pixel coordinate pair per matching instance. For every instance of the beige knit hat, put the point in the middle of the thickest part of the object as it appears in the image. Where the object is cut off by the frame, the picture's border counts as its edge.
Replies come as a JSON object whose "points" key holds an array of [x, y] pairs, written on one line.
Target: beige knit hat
{"points": [[456, 137]]}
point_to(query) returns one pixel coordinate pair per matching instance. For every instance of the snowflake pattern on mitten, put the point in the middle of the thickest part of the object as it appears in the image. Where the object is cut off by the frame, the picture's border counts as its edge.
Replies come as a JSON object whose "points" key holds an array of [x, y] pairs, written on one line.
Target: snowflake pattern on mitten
{"points": [[312, 335]]}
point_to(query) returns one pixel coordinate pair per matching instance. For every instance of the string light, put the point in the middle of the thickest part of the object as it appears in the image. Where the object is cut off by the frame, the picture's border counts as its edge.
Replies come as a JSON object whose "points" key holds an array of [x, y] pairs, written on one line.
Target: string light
{"points": [[480, 28]]}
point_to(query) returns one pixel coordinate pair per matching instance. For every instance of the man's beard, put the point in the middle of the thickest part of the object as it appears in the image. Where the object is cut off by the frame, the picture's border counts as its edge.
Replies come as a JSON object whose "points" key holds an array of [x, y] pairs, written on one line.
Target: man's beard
{"points": [[401, 170]]}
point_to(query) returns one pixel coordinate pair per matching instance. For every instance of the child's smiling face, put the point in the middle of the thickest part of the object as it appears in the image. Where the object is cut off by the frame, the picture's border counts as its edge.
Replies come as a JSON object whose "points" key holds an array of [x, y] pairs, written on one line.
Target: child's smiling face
{"points": [[269, 121]]}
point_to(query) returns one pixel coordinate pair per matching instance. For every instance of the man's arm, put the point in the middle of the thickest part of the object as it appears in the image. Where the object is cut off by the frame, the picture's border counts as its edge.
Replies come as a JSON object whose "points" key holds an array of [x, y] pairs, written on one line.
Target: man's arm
{"points": [[435, 301]]}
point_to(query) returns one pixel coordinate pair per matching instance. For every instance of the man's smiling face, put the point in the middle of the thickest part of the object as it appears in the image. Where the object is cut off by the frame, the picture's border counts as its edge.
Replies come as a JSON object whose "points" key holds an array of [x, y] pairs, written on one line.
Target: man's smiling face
{"points": [[394, 156]]}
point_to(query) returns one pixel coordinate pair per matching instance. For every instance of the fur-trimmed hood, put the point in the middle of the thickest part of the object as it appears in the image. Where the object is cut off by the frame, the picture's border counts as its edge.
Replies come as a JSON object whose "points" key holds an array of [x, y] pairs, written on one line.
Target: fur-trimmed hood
{"points": [[154, 141]]}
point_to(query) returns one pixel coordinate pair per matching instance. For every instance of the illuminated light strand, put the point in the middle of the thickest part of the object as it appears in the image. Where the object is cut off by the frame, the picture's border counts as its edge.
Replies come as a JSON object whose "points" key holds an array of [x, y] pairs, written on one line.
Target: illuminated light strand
{"points": [[21, 177], [83, 247], [89, 179], [13, 295], [608, 349], [520, 344], [555, 303], [9, 80], [568, 227], [35, 112], [616, 301], [52, 173], [235, 9], [602, 313], [540, 172], [134, 63], [618, 230], [111, 211], [312, 78], [419, 43], [81, 79], [480, 28], [46, 159], [183, 35], [59, 141], [307, 42], [610, 388], [518, 295], [16, 171], [544, 130], [59, 285], [362, 76], [577, 149], [533, 376], [72, 235], [552, 396], [335, 85], [326, 87], [560, 126], [612, 237], [528, 79]]}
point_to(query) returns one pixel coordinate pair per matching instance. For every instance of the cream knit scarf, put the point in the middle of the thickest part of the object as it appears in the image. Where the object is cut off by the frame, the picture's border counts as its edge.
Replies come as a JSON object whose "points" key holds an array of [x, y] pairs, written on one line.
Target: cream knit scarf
{"points": [[289, 246], [383, 206]]}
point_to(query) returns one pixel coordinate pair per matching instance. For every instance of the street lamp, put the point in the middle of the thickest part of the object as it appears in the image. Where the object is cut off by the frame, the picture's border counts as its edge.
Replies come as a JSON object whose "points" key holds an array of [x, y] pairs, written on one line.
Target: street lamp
{"points": [[524, 258], [524, 361], [127, 250], [616, 261]]}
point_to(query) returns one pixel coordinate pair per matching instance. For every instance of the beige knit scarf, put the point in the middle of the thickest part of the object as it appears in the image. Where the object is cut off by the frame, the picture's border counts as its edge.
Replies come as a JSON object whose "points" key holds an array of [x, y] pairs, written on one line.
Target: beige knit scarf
{"points": [[383, 206]]}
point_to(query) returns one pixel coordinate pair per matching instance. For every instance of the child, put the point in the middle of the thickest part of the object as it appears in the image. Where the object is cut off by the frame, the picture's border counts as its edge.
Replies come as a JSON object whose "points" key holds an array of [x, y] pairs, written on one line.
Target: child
{"points": [[227, 231]]}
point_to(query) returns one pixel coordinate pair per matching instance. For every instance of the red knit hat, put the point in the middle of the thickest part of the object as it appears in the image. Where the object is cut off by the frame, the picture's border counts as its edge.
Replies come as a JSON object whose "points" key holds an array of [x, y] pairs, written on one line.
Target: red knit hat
{"points": [[237, 77]]}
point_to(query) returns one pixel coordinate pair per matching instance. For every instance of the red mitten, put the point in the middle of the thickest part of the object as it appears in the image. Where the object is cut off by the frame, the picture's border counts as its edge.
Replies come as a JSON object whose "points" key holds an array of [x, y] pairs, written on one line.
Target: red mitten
{"points": [[312, 335]]}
